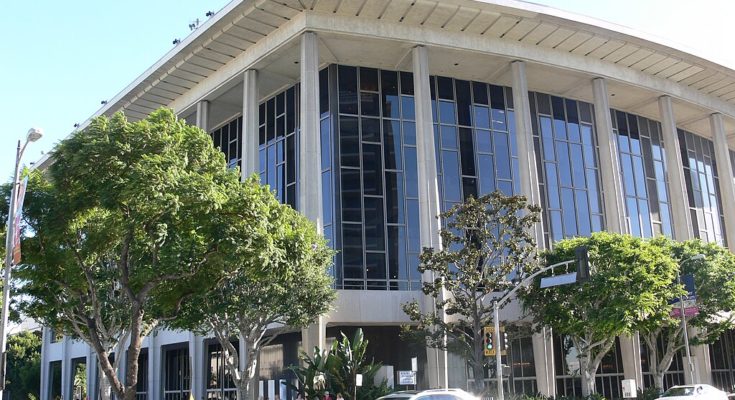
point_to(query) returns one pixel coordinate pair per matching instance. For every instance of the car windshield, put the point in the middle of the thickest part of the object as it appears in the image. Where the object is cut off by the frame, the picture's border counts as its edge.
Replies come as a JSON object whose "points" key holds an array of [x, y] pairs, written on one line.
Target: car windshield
{"points": [[679, 391]]}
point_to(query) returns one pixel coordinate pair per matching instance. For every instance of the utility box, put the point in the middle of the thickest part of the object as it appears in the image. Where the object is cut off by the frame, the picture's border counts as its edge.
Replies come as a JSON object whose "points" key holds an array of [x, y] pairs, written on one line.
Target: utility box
{"points": [[630, 391]]}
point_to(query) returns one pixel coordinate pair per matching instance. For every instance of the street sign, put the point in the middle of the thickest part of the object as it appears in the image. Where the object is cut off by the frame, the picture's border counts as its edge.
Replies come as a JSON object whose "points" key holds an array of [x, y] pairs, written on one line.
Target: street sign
{"points": [[690, 309], [407, 377], [557, 280]]}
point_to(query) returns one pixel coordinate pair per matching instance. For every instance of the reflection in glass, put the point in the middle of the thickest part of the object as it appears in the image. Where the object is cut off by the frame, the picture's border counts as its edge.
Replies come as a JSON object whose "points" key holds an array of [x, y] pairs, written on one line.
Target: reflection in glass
{"points": [[702, 181], [643, 172], [567, 166]]}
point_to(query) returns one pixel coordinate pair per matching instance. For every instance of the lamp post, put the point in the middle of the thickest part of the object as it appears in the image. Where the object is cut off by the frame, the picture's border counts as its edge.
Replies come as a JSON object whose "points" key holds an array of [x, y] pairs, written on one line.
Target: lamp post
{"points": [[696, 257], [33, 135]]}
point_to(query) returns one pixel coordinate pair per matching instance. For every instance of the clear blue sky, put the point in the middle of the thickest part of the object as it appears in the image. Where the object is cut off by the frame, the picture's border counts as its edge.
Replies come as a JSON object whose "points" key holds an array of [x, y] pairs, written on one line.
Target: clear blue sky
{"points": [[61, 58]]}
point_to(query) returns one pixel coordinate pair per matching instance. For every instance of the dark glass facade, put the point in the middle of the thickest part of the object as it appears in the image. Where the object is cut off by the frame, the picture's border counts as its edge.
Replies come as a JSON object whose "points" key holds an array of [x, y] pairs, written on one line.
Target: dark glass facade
{"points": [[643, 173], [176, 373], [567, 162], [228, 138], [675, 374], [141, 388], [722, 358], [568, 380], [702, 182], [376, 201], [278, 141], [474, 135], [219, 381]]}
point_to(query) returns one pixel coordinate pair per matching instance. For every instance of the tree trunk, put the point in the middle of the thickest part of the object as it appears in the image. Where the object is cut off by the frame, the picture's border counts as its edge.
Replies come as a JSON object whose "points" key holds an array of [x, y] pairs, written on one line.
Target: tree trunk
{"points": [[105, 388], [588, 374]]}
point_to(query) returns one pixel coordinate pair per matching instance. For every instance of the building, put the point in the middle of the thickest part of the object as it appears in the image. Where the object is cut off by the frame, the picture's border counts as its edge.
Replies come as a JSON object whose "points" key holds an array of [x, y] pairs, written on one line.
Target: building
{"points": [[392, 110]]}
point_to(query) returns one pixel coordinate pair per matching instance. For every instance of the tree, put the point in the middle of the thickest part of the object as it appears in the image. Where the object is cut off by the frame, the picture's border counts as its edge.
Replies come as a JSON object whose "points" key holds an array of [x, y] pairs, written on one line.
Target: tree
{"points": [[128, 221], [714, 279], [485, 241], [630, 281], [256, 309], [23, 368]]}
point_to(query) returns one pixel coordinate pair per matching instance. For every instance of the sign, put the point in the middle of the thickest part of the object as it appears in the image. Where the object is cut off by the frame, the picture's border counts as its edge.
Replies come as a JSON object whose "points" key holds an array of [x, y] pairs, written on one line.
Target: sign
{"points": [[407, 377], [414, 363], [558, 280], [358, 380], [690, 309], [16, 220], [629, 388]]}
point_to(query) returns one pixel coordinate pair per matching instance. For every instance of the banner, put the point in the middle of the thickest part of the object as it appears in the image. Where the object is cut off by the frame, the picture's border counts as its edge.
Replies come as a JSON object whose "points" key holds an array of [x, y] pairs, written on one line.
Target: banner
{"points": [[16, 220]]}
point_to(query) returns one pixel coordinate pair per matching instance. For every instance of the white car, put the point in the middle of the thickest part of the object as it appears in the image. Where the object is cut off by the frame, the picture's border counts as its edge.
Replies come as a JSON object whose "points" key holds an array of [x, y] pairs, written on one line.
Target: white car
{"points": [[433, 394], [693, 392]]}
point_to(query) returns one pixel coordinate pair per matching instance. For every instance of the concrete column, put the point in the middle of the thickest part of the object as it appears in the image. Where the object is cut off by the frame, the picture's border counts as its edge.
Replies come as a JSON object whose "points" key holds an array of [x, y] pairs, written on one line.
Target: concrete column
{"points": [[701, 360], [524, 138], [630, 351], [202, 120], [310, 180], [250, 123], [543, 359], [66, 368], [91, 373], [675, 170], [154, 366], [428, 192], [310, 177], [616, 216], [724, 171], [45, 349], [610, 177], [197, 365]]}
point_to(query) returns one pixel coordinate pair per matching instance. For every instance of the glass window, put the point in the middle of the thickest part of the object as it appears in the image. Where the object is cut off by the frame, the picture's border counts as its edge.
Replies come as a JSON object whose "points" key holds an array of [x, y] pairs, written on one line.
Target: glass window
{"points": [[378, 178], [702, 183], [642, 171], [177, 374], [564, 139]]}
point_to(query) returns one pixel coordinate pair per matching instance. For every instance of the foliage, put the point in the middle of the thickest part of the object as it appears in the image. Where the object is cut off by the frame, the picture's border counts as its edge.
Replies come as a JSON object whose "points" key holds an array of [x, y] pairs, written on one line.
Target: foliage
{"points": [[714, 279], [312, 373], [292, 292], [23, 377], [129, 220], [630, 281], [485, 241], [649, 393], [336, 371]]}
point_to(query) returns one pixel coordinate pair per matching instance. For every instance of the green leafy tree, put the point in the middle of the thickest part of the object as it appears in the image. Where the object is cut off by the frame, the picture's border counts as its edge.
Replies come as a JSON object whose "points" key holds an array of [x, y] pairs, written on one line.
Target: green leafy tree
{"points": [[129, 220], [714, 280], [485, 241], [23, 377], [256, 309], [630, 281]]}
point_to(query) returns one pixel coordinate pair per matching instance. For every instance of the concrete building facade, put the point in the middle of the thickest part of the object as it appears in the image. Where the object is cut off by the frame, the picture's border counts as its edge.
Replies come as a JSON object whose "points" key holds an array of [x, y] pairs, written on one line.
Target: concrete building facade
{"points": [[372, 116]]}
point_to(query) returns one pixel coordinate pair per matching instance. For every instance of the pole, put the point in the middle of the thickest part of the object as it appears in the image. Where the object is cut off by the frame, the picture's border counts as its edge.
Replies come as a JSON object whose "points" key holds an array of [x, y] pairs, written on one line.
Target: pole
{"points": [[9, 239], [686, 334], [498, 352]]}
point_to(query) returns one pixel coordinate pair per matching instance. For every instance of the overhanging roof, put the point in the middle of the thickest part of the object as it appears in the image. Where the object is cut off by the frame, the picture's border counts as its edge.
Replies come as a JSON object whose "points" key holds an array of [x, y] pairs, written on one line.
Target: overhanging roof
{"points": [[242, 23]]}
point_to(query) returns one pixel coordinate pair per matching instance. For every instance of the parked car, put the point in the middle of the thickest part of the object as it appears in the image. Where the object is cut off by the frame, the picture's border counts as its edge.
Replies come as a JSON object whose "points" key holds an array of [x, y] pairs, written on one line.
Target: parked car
{"points": [[432, 394], [693, 392]]}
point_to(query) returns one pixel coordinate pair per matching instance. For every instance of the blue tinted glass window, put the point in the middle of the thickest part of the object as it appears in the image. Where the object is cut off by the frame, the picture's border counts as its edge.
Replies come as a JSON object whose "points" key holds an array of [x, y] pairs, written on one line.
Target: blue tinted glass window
{"points": [[565, 145], [643, 174], [703, 189], [378, 198]]}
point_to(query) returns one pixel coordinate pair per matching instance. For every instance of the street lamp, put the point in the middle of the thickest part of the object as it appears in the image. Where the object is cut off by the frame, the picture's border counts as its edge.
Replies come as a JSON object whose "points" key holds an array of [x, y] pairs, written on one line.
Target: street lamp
{"points": [[696, 257], [33, 135]]}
